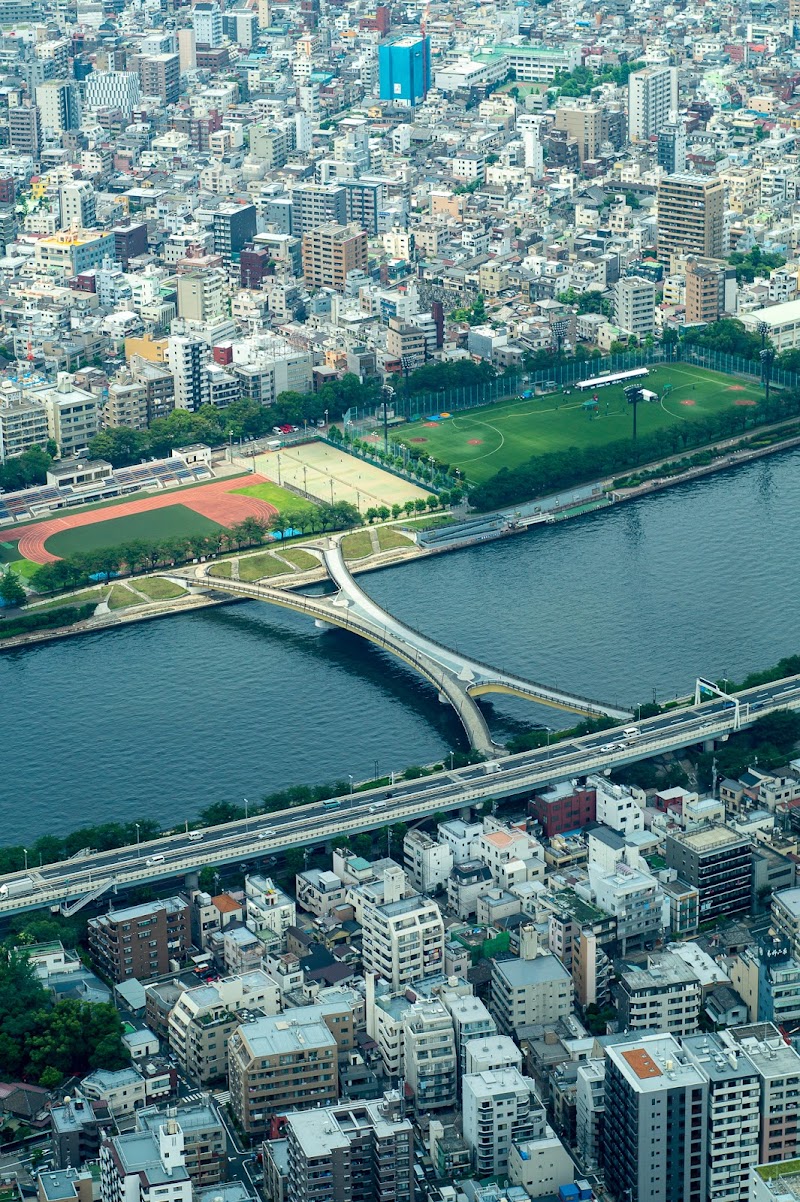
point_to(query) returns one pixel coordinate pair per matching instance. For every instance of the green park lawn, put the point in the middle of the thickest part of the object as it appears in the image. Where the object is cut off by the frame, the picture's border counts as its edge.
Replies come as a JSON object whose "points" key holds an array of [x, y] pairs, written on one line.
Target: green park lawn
{"points": [[158, 589], [389, 538], [283, 500], [152, 525], [121, 597], [222, 569], [83, 598], [256, 567], [300, 558], [357, 545], [482, 441]]}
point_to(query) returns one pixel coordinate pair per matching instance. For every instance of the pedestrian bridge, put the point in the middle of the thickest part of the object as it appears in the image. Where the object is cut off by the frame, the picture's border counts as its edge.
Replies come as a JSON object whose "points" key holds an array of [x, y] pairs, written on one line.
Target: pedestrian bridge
{"points": [[457, 678]]}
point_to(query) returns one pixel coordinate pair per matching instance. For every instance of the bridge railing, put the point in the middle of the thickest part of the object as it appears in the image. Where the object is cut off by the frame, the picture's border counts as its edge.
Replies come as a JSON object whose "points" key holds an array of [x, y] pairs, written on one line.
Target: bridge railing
{"points": [[492, 673]]}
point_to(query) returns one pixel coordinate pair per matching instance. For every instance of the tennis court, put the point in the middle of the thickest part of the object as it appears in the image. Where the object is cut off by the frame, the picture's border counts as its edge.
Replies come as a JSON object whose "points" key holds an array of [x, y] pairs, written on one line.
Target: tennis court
{"points": [[332, 475]]}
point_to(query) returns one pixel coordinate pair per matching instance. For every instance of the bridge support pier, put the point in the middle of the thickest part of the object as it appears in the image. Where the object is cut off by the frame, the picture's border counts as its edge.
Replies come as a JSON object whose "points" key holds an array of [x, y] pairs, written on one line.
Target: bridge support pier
{"points": [[444, 700], [708, 745], [465, 813], [191, 881], [320, 625]]}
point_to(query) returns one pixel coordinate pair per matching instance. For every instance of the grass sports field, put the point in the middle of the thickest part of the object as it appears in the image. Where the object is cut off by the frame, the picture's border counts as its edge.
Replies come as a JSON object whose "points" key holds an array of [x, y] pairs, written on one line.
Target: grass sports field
{"points": [[334, 475], [283, 500], [175, 521], [481, 441]]}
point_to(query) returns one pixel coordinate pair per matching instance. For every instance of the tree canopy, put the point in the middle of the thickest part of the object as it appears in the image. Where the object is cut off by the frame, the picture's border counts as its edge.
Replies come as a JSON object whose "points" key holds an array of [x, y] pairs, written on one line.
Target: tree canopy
{"points": [[44, 1041]]}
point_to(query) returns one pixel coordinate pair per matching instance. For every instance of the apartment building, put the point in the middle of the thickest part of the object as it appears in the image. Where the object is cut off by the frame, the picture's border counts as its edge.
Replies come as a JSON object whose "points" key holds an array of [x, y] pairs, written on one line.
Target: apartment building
{"points": [[140, 941], [73, 415], [270, 911], [281, 1063], [665, 996], [354, 1150], [786, 917], [403, 940], [314, 205], [77, 1128], [633, 899], [655, 1143], [691, 212], [652, 96], [203, 1020], [500, 1107], [330, 253], [471, 1021], [777, 1064], [634, 312], [427, 862], [145, 1166], [319, 891], [205, 1143], [528, 992], [429, 1055], [733, 1116], [23, 424], [718, 862]]}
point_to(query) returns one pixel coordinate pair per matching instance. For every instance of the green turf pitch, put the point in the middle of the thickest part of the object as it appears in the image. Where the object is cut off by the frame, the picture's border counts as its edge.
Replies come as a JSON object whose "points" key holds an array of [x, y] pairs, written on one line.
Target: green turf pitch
{"points": [[482, 441], [152, 525]]}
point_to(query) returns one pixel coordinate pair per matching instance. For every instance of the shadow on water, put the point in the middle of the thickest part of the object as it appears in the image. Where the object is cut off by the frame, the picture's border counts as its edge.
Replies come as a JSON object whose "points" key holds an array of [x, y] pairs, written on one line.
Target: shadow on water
{"points": [[346, 653]]}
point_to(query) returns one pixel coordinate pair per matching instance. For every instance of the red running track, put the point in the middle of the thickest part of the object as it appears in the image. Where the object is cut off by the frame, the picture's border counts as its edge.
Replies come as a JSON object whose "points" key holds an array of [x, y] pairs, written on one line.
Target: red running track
{"points": [[216, 501]]}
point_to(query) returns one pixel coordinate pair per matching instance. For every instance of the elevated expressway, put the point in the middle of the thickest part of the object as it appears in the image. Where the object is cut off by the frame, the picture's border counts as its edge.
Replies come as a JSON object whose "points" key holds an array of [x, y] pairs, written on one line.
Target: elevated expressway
{"points": [[71, 883]]}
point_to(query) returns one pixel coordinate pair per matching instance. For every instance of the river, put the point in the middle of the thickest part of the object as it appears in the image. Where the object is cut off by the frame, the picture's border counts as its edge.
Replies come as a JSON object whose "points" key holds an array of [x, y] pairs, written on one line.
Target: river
{"points": [[161, 718]]}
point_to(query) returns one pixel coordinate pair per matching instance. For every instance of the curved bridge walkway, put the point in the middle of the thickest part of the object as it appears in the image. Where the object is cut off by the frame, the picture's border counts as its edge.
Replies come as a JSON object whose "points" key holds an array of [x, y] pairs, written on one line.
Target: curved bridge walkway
{"points": [[457, 679]]}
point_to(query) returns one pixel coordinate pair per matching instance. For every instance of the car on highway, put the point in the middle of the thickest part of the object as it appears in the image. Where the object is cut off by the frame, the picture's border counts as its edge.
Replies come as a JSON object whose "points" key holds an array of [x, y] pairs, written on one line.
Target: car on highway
{"points": [[611, 746]]}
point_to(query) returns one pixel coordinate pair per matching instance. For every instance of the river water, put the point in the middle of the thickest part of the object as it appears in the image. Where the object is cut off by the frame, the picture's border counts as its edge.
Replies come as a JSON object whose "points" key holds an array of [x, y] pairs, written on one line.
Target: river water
{"points": [[161, 718]]}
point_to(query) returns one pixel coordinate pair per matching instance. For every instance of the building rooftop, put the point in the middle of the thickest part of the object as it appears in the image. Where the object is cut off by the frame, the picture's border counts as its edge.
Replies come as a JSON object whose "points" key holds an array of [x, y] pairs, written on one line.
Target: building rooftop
{"points": [[278, 1035], [531, 972], [653, 1063]]}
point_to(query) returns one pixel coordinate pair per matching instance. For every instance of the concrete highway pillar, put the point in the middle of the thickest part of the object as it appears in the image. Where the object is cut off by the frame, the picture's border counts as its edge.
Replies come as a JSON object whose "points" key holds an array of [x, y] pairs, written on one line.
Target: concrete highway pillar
{"points": [[191, 881], [709, 745], [465, 813], [320, 625], [444, 700]]}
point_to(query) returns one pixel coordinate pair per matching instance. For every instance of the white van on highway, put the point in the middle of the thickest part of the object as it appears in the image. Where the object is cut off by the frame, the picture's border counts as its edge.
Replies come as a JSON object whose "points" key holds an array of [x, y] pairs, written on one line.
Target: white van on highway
{"points": [[632, 732], [195, 835], [154, 860]]}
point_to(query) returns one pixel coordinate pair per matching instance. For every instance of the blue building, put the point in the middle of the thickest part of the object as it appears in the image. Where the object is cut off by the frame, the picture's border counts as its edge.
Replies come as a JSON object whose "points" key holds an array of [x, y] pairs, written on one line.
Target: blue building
{"points": [[405, 70]]}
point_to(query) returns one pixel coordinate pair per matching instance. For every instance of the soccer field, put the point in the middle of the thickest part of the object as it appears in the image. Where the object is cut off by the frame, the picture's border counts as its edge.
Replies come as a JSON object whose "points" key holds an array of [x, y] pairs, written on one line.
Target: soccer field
{"points": [[482, 441], [153, 525]]}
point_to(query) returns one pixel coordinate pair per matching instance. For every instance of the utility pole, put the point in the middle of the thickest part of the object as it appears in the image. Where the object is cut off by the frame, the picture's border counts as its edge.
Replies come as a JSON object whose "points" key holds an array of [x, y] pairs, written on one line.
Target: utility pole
{"points": [[388, 395], [767, 359]]}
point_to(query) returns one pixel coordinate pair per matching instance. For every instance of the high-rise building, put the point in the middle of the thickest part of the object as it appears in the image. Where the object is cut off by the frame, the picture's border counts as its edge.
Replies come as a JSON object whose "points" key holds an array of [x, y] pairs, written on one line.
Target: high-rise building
{"points": [[430, 1066], [23, 424], [403, 940], [25, 129], [655, 1144], [355, 1150], [777, 1064], [586, 123], [138, 942], [77, 205], [404, 67], [58, 103], [185, 358], [652, 96], [364, 201], [733, 1119], [330, 252], [500, 1107], [672, 147], [160, 75], [665, 995], [691, 210], [145, 1166], [705, 292], [112, 89], [207, 23], [718, 861], [201, 295], [635, 305], [73, 416], [314, 205], [277, 1064], [233, 227], [187, 49]]}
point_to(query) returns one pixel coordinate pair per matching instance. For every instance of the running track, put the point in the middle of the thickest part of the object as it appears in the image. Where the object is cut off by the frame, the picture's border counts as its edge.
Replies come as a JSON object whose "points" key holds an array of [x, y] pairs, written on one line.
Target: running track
{"points": [[216, 501]]}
